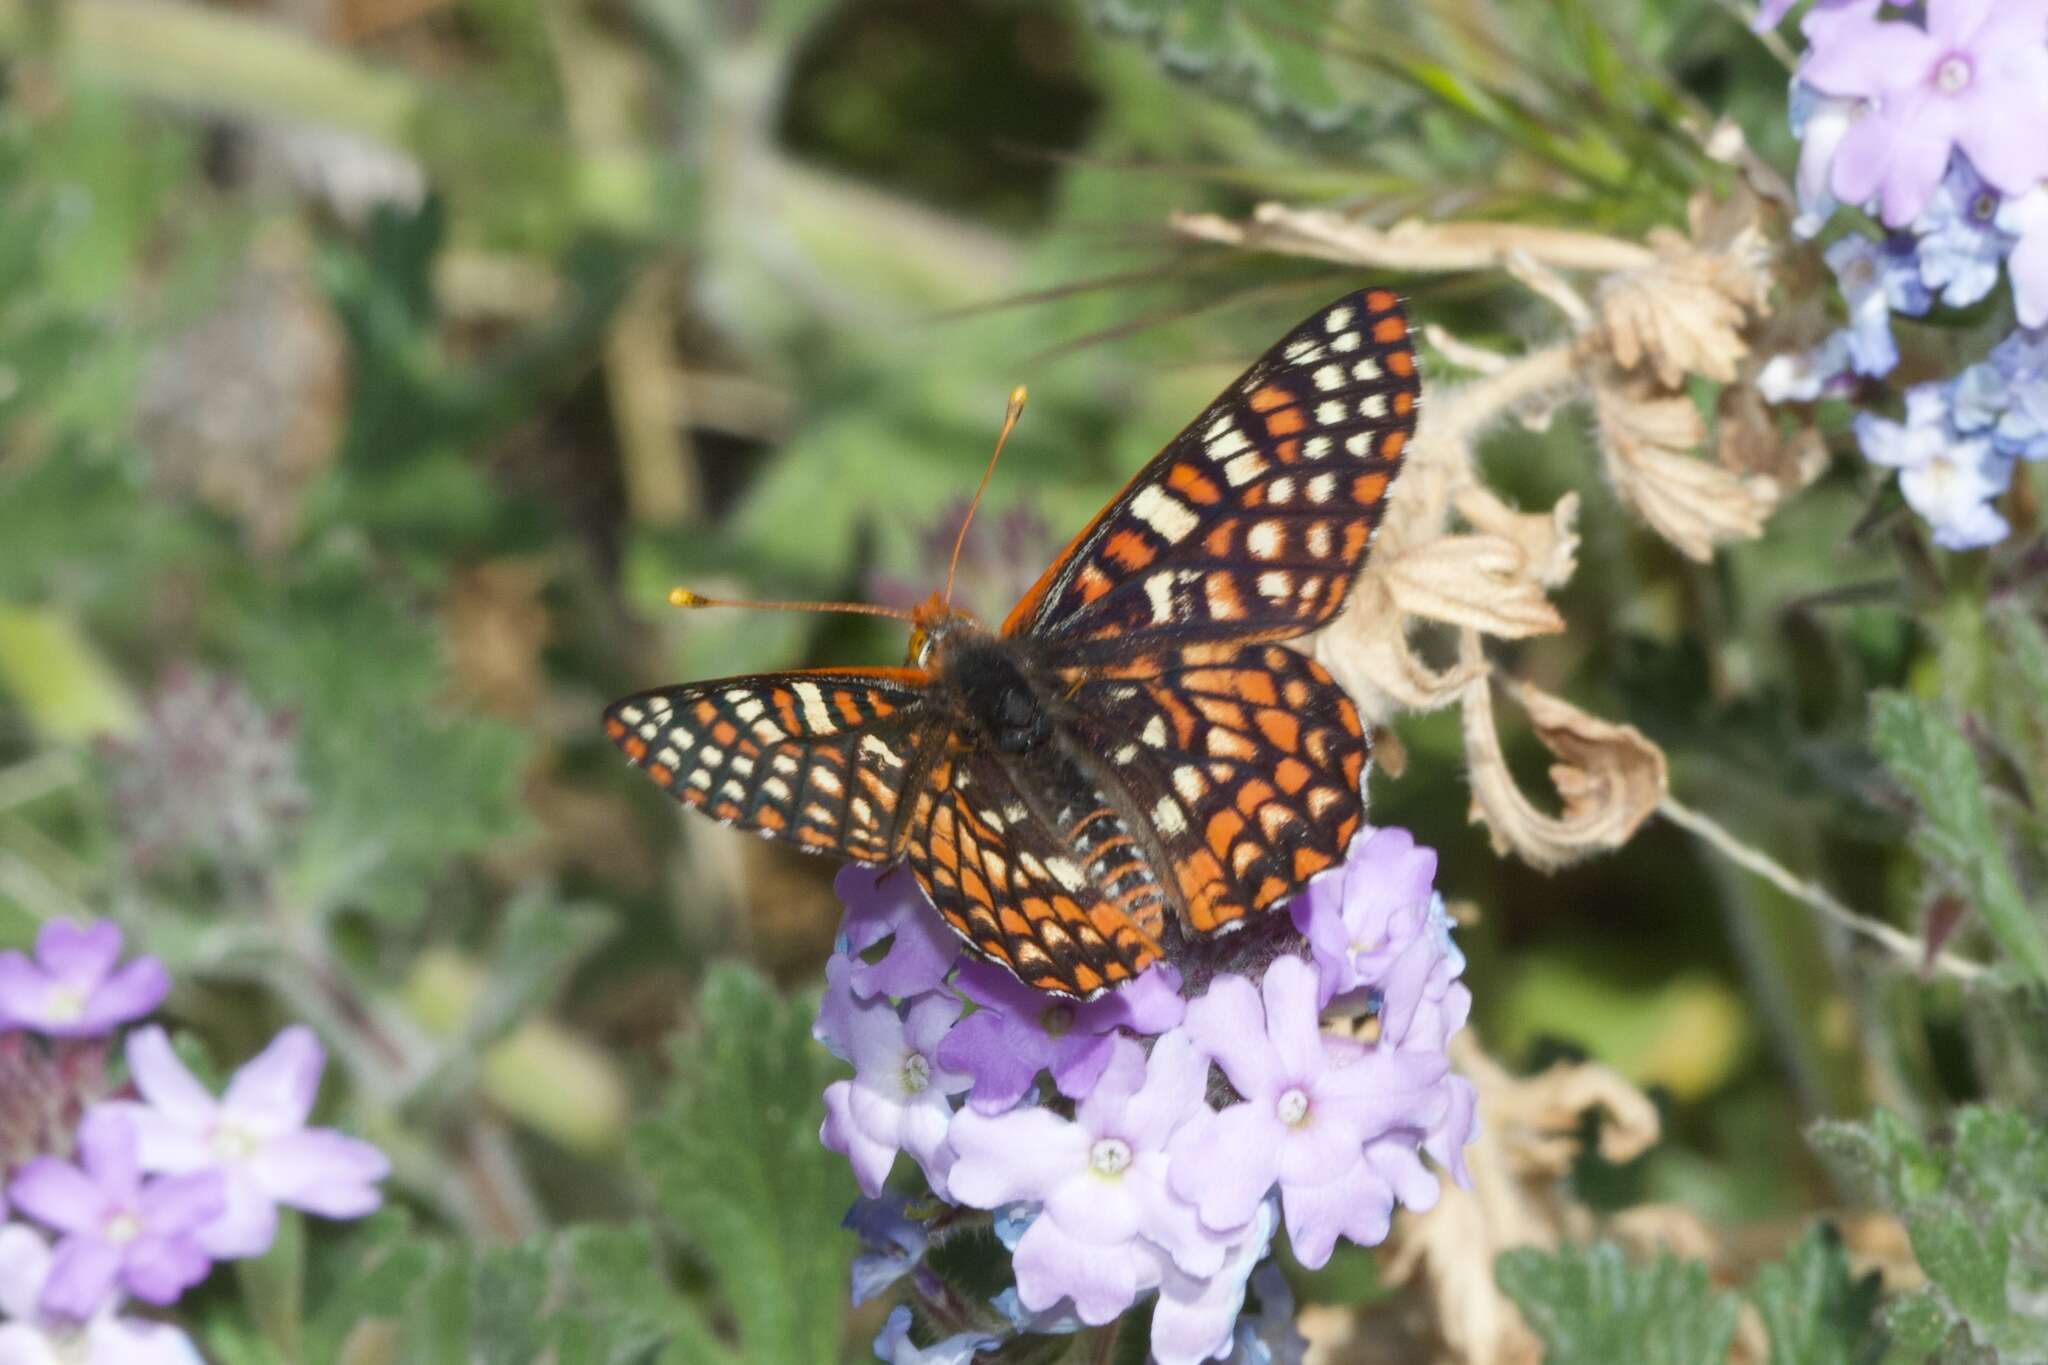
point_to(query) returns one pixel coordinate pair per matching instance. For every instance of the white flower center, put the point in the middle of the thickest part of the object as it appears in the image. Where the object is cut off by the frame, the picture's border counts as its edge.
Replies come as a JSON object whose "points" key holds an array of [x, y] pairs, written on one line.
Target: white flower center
{"points": [[234, 1144], [1984, 207], [1110, 1157], [1943, 471], [123, 1228], [1292, 1106], [917, 1073], [64, 1004], [1954, 74]]}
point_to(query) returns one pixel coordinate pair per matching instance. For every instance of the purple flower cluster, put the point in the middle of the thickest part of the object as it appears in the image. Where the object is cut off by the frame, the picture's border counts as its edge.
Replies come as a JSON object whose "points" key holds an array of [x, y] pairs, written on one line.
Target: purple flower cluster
{"points": [[1142, 1143], [1929, 118], [137, 1197]]}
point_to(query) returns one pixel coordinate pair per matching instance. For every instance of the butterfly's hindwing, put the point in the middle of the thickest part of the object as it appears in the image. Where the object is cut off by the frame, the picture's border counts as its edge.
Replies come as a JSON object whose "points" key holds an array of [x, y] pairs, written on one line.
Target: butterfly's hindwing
{"points": [[1252, 523], [1247, 763], [823, 759], [1028, 865]]}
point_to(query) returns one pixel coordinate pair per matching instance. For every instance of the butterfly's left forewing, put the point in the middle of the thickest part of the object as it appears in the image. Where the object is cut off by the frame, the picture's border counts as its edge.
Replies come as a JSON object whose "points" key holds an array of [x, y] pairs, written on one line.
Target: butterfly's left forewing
{"points": [[824, 759], [1252, 523]]}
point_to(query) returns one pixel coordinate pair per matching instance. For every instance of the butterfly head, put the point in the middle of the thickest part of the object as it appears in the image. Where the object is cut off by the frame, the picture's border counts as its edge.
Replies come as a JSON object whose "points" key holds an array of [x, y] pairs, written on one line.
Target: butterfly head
{"points": [[930, 623]]}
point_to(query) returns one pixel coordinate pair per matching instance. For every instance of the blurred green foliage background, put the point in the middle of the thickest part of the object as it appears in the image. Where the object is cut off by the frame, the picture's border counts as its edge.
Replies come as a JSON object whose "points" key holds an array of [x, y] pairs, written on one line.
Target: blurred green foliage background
{"points": [[370, 369]]}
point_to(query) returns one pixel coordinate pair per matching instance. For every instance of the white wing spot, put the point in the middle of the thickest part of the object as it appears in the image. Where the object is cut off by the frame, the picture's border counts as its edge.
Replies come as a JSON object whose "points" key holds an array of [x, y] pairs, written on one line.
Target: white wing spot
{"points": [[1347, 342], [1164, 513], [1366, 370], [1373, 406], [862, 811], [827, 781], [1316, 447], [873, 746], [711, 756], [1329, 377], [1319, 539], [1065, 873], [700, 779], [1337, 319], [649, 731], [1159, 588], [743, 765], [668, 758], [1244, 469], [682, 738], [1217, 427], [816, 714], [632, 715], [1169, 817], [1264, 540], [750, 709], [660, 706], [1329, 414], [1276, 584], [1321, 486], [1280, 490], [1154, 732], [733, 790], [1015, 813], [1187, 780], [1126, 754], [776, 788], [1359, 445], [1228, 444]]}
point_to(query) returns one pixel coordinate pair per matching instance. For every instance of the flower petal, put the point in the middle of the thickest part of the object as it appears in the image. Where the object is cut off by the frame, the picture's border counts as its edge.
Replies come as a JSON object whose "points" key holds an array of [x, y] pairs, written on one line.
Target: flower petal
{"points": [[24, 1267], [59, 1195], [165, 1082], [870, 1159], [1226, 1163], [1176, 1081], [174, 1205], [274, 1091], [246, 1225], [1101, 1280], [129, 994], [81, 1279], [1024, 1154], [1002, 1057], [1292, 1019], [159, 1270], [1229, 1025], [78, 955]]}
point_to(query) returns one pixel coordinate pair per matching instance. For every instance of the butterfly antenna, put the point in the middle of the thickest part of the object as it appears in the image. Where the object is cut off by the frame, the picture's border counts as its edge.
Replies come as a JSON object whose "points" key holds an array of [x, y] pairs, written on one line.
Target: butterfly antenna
{"points": [[1009, 424], [683, 597]]}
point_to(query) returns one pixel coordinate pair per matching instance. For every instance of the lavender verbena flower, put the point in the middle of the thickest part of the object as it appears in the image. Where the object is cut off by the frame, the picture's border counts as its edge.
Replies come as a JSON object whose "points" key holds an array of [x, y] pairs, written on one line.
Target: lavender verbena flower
{"points": [[1771, 13], [1974, 78], [890, 905], [892, 1245], [1961, 244], [1101, 1179], [1196, 1318], [1877, 280], [900, 1096], [1269, 1337], [120, 1231], [30, 1336], [1947, 477], [1356, 917], [1312, 1105], [1018, 1032], [2025, 219], [893, 1344], [1820, 122], [73, 988], [253, 1139]]}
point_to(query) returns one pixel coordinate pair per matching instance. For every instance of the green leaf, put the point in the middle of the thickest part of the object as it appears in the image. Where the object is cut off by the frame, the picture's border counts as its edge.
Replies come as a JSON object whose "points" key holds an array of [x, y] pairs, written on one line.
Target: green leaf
{"points": [[736, 1165], [1813, 1312], [1930, 757], [1591, 1307], [274, 1287], [1973, 1204]]}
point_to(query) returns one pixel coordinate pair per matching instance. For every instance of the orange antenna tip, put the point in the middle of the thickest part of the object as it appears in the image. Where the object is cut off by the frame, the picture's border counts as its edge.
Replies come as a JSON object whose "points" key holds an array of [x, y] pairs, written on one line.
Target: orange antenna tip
{"points": [[1017, 397]]}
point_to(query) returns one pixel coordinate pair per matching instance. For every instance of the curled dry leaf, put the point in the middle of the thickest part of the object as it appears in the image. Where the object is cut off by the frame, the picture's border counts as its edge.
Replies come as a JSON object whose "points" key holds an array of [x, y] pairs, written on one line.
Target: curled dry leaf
{"points": [[1686, 312], [1610, 776], [1748, 440], [1646, 440]]}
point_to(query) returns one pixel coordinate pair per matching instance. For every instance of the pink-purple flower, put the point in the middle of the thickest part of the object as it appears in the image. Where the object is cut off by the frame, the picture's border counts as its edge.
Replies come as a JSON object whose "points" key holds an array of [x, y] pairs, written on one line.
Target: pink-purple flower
{"points": [[1974, 78], [1018, 1032], [889, 906], [900, 1096], [120, 1230], [253, 1139], [29, 1335], [75, 985], [1311, 1105], [1100, 1180]]}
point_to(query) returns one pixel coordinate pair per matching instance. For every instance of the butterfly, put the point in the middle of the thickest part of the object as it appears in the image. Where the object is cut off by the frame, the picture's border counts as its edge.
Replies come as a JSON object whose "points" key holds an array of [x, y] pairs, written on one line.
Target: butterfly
{"points": [[1133, 761]]}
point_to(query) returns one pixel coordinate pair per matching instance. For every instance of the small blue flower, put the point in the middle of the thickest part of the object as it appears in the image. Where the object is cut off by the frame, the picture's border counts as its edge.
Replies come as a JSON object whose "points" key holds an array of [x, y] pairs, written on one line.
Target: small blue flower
{"points": [[2022, 361], [1802, 378], [1961, 245], [1269, 1336], [1012, 1221], [1946, 475], [893, 1244], [1058, 1321], [893, 1344], [1877, 280]]}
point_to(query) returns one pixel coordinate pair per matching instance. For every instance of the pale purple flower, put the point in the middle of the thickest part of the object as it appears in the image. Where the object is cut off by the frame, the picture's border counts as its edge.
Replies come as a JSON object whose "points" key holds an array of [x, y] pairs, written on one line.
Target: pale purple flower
{"points": [[1311, 1106], [1196, 1317], [1771, 13], [891, 905], [893, 1344], [254, 1138], [1975, 78], [2020, 363], [1877, 280], [1806, 376], [1947, 477], [1961, 244], [120, 1230], [1019, 1032], [892, 1245], [29, 1336], [899, 1097], [1820, 122], [1269, 1337], [2025, 219], [1360, 920], [1101, 1178], [73, 988]]}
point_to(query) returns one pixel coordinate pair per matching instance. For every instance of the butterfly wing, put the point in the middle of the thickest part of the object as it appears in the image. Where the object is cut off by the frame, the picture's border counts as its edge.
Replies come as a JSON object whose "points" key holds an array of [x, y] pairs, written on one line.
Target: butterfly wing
{"points": [[821, 758], [1252, 523], [1246, 761], [1025, 862]]}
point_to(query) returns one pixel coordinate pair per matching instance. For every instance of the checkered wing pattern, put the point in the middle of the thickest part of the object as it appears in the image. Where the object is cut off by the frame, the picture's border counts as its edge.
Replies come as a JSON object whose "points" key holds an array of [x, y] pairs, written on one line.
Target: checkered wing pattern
{"points": [[1057, 890], [1246, 762], [1252, 523], [824, 759]]}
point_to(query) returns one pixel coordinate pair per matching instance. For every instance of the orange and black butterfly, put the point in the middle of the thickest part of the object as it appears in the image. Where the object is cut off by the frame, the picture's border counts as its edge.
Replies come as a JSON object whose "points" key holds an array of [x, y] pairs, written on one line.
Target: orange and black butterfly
{"points": [[1133, 760]]}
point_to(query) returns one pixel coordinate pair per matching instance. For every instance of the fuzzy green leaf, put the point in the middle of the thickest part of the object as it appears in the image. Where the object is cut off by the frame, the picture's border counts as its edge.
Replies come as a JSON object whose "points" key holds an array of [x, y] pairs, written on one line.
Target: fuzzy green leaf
{"points": [[736, 1165], [1930, 757], [1591, 1307], [1813, 1311]]}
